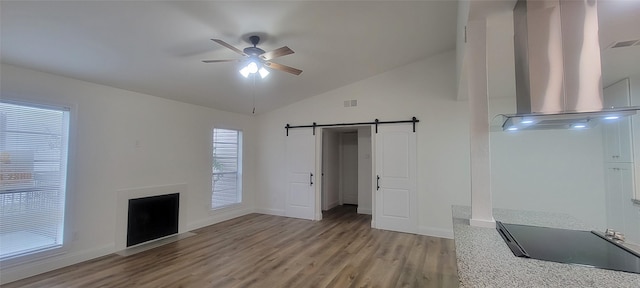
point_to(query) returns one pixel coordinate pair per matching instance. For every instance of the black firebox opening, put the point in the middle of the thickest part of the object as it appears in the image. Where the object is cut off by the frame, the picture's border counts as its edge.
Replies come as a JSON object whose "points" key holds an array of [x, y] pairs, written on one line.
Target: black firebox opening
{"points": [[152, 218]]}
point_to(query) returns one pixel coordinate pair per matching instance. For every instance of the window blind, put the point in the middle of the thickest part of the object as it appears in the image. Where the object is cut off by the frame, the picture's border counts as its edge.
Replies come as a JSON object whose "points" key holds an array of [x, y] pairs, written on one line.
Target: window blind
{"points": [[33, 170], [227, 171]]}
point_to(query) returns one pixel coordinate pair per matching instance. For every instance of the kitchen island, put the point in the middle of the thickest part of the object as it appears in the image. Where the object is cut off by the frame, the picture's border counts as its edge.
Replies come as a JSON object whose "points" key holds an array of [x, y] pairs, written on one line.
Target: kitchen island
{"points": [[484, 260]]}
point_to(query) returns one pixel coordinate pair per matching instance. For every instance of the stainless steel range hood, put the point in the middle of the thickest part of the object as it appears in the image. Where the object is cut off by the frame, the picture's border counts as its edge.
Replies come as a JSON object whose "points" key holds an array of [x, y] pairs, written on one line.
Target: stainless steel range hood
{"points": [[558, 69]]}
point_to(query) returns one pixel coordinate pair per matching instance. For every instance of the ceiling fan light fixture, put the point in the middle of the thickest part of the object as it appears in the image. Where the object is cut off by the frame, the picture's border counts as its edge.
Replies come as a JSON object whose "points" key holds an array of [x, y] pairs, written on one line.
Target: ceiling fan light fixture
{"points": [[252, 67], [256, 58], [263, 72], [245, 72]]}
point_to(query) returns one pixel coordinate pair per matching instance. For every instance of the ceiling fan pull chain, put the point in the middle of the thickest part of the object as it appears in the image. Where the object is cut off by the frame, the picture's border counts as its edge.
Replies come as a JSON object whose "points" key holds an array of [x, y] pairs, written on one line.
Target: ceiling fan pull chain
{"points": [[254, 94]]}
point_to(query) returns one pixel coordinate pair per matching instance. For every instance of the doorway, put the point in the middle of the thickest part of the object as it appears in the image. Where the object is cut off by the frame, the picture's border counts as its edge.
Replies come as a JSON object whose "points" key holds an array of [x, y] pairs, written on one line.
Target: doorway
{"points": [[314, 179], [346, 168]]}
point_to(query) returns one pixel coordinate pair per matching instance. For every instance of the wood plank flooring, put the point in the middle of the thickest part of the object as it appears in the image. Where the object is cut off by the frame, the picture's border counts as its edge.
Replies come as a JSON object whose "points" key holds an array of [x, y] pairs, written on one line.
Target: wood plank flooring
{"points": [[270, 251]]}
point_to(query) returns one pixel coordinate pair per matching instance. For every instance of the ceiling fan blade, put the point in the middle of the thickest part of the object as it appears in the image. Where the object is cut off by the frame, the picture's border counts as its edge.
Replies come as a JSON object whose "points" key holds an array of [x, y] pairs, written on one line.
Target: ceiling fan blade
{"points": [[284, 68], [225, 44], [225, 60], [282, 51]]}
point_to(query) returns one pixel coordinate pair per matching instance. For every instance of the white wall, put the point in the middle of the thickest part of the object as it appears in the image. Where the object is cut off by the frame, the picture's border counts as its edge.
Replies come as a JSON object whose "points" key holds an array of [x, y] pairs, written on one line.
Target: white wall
{"points": [[349, 168], [461, 31], [501, 65], [634, 93], [330, 169], [173, 147], [548, 170], [365, 170], [631, 211], [424, 89]]}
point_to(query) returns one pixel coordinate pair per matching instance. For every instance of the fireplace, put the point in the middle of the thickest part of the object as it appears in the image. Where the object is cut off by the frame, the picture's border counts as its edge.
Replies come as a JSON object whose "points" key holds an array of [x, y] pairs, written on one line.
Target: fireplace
{"points": [[153, 217], [122, 209]]}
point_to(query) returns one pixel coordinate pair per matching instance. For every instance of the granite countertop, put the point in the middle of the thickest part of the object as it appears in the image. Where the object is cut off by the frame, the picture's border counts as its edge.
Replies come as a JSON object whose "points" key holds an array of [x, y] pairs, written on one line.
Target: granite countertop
{"points": [[484, 260]]}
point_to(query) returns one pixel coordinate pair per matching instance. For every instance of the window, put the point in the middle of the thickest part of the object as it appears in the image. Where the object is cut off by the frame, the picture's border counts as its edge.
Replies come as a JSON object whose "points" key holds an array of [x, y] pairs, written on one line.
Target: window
{"points": [[33, 170], [226, 180]]}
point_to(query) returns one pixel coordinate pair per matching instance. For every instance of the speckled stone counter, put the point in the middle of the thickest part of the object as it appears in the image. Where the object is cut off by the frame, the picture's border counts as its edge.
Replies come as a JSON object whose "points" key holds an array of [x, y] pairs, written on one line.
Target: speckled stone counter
{"points": [[484, 260]]}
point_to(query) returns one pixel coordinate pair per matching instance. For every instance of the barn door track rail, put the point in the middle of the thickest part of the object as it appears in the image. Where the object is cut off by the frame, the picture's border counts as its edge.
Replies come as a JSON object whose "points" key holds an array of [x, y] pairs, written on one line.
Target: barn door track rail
{"points": [[376, 122]]}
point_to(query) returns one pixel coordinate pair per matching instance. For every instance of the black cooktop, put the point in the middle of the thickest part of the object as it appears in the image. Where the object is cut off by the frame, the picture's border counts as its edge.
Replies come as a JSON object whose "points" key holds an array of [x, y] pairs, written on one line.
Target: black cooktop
{"points": [[568, 246]]}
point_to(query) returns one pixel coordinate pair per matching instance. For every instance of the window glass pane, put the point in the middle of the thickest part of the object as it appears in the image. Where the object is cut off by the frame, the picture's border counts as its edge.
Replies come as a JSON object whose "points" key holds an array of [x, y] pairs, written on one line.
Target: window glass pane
{"points": [[33, 168], [226, 168]]}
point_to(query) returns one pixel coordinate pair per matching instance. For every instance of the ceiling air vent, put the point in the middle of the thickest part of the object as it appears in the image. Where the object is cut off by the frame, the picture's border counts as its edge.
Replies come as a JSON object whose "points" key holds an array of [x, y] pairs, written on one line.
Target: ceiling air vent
{"points": [[350, 103], [627, 43]]}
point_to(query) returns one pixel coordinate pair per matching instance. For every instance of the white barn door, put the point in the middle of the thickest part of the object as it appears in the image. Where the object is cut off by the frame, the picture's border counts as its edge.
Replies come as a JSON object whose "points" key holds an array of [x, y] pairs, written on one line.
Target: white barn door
{"points": [[395, 183], [301, 174]]}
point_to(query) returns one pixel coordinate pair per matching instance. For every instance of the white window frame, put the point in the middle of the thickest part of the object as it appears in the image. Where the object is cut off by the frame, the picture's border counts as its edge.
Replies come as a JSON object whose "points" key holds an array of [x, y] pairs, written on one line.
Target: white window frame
{"points": [[70, 120], [239, 172]]}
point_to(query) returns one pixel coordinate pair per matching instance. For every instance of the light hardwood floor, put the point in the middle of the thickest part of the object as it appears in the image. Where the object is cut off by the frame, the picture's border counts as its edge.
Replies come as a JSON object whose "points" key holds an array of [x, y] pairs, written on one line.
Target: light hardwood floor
{"points": [[269, 251]]}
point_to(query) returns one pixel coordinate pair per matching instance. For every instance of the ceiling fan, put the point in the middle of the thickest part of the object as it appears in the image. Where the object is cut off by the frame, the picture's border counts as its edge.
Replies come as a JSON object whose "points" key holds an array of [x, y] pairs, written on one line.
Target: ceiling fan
{"points": [[258, 59]]}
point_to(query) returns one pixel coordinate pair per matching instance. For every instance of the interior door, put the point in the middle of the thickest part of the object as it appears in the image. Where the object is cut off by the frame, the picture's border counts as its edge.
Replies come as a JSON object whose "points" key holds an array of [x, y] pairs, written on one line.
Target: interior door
{"points": [[395, 163], [301, 174]]}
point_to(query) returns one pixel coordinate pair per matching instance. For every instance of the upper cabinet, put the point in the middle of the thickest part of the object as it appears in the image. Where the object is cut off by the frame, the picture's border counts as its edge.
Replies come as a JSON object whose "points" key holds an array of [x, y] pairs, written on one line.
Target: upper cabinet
{"points": [[617, 134], [617, 95]]}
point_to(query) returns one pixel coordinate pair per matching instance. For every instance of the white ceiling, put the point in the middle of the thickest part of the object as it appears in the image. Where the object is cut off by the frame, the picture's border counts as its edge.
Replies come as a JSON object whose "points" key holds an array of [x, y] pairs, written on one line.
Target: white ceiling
{"points": [[619, 20], [156, 47]]}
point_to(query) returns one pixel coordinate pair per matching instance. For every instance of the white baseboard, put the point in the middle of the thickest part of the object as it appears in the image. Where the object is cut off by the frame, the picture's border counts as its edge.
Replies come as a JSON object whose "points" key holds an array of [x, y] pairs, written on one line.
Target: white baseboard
{"points": [[52, 263], [367, 211], [218, 216], [436, 232], [275, 212]]}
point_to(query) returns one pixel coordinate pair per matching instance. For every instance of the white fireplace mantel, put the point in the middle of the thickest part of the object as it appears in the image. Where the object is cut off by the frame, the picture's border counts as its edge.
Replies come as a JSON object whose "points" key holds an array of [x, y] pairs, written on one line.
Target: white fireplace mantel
{"points": [[122, 206]]}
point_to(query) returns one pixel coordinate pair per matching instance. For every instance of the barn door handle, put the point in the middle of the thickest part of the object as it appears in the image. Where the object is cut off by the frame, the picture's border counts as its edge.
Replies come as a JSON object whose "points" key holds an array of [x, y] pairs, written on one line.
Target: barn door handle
{"points": [[378, 183], [310, 179]]}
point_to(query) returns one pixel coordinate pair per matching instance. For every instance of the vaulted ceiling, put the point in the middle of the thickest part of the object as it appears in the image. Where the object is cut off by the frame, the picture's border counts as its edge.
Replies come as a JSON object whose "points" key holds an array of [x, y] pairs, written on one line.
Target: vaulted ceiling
{"points": [[157, 47], [619, 21]]}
